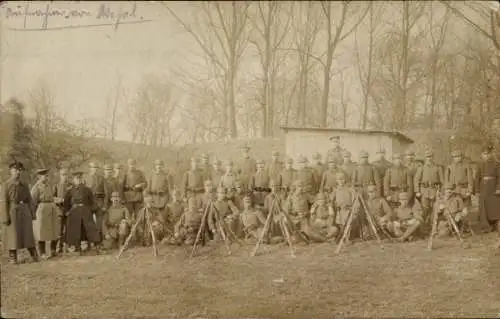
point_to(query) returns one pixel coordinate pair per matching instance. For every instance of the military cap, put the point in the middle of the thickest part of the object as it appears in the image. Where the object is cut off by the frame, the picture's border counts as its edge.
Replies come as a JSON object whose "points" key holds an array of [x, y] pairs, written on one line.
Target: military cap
{"points": [[217, 162], [159, 162], [204, 156], [77, 173], [371, 187], [456, 153], [275, 153], [94, 165], [17, 165], [363, 154], [403, 195], [346, 153], [316, 156], [117, 165], [208, 183], [115, 194], [409, 153], [228, 162], [331, 160], [289, 160], [428, 153], [321, 196], [302, 159], [381, 151], [396, 156], [108, 167], [42, 171], [259, 162], [131, 161], [336, 138]]}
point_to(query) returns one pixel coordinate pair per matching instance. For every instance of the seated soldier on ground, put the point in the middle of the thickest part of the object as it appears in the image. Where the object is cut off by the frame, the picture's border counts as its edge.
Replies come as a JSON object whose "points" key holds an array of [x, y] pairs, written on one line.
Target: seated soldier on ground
{"points": [[378, 207], [156, 218], [342, 200], [175, 209], [321, 218], [226, 212], [188, 225], [453, 204], [116, 223], [408, 218], [252, 220], [237, 194]]}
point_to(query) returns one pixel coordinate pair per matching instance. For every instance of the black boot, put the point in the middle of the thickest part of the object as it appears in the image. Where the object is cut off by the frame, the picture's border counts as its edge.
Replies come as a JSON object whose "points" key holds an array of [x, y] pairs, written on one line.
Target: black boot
{"points": [[53, 248], [41, 248], [34, 254], [13, 256]]}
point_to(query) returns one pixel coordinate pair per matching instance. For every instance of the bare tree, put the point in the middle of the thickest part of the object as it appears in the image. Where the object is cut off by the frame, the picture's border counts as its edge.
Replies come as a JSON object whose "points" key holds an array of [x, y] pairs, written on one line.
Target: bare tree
{"points": [[270, 26], [337, 30], [114, 98], [367, 73], [221, 32]]}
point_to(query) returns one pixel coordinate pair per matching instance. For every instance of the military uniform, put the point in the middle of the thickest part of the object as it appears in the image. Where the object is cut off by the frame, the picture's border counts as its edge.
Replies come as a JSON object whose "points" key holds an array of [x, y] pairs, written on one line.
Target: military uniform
{"points": [[111, 185], [47, 224], [95, 182], [229, 178], [319, 169], [488, 179], [274, 168], [336, 152], [408, 218], [225, 211], [329, 178], [247, 168], [365, 174], [412, 167], [17, 215], [134, 184], [119, 178], [428, 180], [307, 177], [61, 188], [205, 167], [397, 179], [378, 207], [158, 223], [342, 199], [459, 174], [252, 221], [160, 186], [349, 167], [322, 218], [216, 173], [449, 204], [116, 225], [288, 177], [259, 184], [175, 209], [79, 204], [188, 225], [382, 165], [192, 183]]}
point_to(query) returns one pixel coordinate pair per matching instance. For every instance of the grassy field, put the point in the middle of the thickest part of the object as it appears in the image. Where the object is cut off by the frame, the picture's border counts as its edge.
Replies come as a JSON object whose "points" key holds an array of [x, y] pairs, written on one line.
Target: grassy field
{"points": [[365, 280]]}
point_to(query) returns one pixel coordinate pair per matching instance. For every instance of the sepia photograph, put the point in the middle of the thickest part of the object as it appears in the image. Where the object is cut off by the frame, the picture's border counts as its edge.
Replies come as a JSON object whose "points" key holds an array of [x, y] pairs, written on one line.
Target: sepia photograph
{"points": [[250, 159]]}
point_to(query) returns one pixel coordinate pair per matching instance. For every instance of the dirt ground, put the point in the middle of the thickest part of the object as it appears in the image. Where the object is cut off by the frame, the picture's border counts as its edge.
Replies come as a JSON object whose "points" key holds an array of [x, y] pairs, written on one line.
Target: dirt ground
{"points": [[365, 280]]}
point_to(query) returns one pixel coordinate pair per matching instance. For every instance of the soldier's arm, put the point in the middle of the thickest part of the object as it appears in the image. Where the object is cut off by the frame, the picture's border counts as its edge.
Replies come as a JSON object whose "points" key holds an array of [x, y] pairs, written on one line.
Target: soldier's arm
{"points": [[35, 191], [91, 200], [387, 181], [233, 207], [377, 179], [185, 184], [322, 183], [67, 201]]}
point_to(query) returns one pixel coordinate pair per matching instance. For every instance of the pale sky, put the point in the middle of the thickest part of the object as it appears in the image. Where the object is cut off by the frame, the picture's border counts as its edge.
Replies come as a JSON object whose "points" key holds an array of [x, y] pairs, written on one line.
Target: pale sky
{"points": [[81, 65]]}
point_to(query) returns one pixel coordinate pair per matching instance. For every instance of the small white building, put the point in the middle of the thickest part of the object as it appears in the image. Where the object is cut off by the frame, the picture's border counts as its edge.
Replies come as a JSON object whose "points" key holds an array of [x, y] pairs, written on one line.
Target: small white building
{"points": [[307, 141]]}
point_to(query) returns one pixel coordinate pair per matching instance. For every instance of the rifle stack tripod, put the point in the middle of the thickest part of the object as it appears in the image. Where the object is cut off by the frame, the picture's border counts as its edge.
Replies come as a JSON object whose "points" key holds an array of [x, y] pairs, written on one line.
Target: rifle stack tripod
{"points": [[145, 218], [285, 223], [451, 221], [226, 232], [368, 227]]}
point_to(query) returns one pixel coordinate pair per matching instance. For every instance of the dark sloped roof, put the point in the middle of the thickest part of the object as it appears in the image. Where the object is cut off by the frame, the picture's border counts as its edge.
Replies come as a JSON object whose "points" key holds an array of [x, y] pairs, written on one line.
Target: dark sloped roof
{"points": [[396, 134]]}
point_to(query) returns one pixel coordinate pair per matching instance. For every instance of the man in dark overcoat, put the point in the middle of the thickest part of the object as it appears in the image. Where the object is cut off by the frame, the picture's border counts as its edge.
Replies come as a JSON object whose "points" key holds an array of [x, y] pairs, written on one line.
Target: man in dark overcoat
{"points": [[17, 215], [488, 181], [79, 206]]}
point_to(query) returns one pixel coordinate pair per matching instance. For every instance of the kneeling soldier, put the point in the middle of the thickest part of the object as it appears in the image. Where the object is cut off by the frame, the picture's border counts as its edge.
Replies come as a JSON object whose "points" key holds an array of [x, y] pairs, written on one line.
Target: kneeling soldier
{"points": [[116, 223], [408, 218], [453, 204], [226, 213], [157, 222], [322, 218], [252, 220], [378, 207], [188, 225]]}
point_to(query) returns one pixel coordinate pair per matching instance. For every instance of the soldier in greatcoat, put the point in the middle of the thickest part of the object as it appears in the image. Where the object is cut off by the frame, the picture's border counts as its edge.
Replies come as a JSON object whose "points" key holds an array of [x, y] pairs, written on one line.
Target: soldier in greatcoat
{"points": [[381, 165], [329, 178], [110, 185], [160, 186], [366, 174], [397, 179], [192, 182], [348, 166], [488, 180], [429, 179], [247, 168], [459, 174], [79, 206], [307, 177], [47, 224], [62, 186], [336, 150], [259, 184], [287, 177], [274, 167], [17, 215], [134, 183], [95, 181]]}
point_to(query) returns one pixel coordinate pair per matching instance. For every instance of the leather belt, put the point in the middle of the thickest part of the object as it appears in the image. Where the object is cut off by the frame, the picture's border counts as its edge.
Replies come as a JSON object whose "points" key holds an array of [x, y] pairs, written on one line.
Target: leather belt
{"points": [[20, 202], [78, 205], [430, 184], [488, 178]]}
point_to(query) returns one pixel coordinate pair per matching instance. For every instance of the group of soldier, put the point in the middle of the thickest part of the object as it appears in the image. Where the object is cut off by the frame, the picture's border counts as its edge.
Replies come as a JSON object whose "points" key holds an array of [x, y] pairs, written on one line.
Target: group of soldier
{"points": [[315, 199]]}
